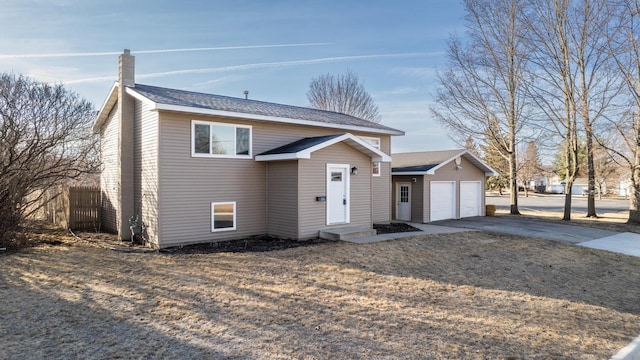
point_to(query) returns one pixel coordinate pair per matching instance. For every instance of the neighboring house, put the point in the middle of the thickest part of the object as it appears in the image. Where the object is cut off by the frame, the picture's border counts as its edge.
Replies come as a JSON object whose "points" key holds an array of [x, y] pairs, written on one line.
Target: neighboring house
{"points": [[580, 186], [625, 186], [438, 185], [197, 167]]}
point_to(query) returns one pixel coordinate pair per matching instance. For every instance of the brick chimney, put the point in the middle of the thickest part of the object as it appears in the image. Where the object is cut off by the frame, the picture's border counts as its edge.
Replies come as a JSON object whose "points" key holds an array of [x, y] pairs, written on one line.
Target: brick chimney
{"points": [[126, 109]]}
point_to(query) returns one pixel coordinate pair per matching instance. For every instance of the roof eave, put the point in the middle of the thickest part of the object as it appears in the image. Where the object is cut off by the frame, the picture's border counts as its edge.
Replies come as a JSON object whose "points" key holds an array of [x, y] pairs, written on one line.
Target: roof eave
{"points": [[238, 115], [410, 173], [103, 113], [352, 140], [281, 157]]}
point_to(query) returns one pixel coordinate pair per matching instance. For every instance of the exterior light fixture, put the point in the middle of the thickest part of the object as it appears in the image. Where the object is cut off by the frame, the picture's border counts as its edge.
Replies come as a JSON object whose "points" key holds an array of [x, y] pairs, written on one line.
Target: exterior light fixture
{"points": [[354, 171]]}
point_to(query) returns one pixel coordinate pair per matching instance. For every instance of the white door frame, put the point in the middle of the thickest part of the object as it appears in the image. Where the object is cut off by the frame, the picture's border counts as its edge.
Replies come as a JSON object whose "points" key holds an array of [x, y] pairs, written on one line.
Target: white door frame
{"points": [[398, 197], [346, 200]]}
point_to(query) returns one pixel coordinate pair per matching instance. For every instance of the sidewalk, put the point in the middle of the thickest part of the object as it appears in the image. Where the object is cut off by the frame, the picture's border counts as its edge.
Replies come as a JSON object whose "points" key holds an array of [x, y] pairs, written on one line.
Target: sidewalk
{"points": [[623, 243]]}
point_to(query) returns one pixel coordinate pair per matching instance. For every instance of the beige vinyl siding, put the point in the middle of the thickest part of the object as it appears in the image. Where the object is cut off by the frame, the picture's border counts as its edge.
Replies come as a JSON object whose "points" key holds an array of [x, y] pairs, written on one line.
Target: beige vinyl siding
{"points": [[313, 182], [146, 169], [282, 197], [268, 136], [417, 194], [448, 172], [381, 187], [109, 175], [188, 186]]}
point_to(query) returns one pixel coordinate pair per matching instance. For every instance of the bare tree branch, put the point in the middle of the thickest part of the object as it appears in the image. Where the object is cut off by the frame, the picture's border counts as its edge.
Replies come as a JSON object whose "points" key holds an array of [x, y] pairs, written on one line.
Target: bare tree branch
{"points": [[46, 139], [344, 94]]}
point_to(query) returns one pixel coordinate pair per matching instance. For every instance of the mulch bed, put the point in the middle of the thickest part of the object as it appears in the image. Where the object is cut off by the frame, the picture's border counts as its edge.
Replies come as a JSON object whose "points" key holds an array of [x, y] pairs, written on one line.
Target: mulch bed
{"points": [[394, 228], [251, 244], [267, 243]]}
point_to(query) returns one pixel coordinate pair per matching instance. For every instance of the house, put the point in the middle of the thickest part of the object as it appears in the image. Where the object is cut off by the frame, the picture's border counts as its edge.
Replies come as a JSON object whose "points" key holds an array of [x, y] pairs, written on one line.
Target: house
{"points": [[624, 186], [438, 185], [194, 167]]}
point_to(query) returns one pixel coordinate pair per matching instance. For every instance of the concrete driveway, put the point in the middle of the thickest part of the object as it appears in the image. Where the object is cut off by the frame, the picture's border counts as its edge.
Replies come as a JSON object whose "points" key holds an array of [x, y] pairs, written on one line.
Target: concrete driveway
{"points": [[528, 227], [624, 243]]}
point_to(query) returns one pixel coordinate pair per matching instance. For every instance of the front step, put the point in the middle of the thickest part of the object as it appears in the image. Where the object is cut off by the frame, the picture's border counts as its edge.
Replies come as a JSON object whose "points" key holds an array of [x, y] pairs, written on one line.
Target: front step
{"points": [[346, 233]]}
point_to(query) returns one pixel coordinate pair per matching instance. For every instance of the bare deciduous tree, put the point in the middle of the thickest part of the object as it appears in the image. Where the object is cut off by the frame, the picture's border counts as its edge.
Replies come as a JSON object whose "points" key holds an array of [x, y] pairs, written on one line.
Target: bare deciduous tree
{"points": [[46, 139], [554, 90], [576, 85], [625, 48], [482, 92], [344, 94], [596, 85]]}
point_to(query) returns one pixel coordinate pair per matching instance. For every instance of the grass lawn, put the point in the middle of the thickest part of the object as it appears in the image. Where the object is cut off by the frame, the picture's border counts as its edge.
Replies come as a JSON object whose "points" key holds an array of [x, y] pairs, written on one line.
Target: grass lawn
{"points": [[470, 295]]}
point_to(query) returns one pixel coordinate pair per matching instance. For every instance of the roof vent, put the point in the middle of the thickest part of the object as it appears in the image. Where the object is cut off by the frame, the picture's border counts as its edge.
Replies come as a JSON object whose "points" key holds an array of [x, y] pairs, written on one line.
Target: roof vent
{"points": [[246, 94]]}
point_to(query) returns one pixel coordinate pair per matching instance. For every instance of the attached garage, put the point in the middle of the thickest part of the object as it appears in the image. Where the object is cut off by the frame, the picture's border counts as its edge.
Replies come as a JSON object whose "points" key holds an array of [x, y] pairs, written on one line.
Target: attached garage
{"points": [[440, 184]]}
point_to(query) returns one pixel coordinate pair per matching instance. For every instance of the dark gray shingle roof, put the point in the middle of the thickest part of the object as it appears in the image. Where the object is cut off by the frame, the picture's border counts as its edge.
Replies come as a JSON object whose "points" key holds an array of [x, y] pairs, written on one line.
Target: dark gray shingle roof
{"points": [[417, 168], [300, 145], [245, 106]]}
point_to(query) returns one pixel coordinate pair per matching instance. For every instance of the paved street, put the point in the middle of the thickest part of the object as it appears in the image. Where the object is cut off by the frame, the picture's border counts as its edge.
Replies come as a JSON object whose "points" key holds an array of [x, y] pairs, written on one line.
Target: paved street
{"points": [[555, 203]]}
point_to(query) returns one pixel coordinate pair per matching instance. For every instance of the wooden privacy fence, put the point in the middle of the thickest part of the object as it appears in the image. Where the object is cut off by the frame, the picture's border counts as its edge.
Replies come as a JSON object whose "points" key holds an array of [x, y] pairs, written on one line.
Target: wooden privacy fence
{"points": [[84, 208], [76, 207]]}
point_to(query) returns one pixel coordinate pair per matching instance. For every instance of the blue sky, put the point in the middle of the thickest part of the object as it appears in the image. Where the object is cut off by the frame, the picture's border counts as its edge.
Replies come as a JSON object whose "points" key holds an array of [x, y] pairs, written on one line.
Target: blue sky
{"points": [[271, 48]]}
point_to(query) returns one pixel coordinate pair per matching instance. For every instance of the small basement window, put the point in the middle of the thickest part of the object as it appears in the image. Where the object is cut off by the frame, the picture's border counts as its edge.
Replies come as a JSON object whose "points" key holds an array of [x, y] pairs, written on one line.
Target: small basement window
{"points": [[223, 216]]}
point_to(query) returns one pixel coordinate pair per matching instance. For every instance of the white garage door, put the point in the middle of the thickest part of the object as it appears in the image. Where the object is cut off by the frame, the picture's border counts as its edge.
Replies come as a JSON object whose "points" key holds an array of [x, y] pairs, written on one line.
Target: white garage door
{"points": [[443, 200], [470, 198]]}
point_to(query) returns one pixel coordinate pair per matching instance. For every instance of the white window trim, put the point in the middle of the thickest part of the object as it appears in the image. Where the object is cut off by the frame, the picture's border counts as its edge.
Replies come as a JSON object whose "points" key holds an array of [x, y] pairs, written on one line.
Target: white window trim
{"points": [[379, 141], [213, 204], [210, 123]]}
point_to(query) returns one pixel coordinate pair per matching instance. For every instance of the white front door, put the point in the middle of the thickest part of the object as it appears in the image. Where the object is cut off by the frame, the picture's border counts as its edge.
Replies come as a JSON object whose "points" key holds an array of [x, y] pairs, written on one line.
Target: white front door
{"points": [[337, 194], [443, 200], [470, 198], [403, 199]]}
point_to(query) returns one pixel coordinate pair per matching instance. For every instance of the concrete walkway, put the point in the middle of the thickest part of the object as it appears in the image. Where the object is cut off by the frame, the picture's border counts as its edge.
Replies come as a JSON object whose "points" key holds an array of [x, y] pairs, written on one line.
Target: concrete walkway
{"points": [[427, 229]]}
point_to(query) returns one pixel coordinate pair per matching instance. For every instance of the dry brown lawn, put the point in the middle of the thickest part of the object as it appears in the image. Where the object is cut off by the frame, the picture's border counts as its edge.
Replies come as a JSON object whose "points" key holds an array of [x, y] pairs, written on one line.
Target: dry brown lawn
{"points": [[469, 295]]}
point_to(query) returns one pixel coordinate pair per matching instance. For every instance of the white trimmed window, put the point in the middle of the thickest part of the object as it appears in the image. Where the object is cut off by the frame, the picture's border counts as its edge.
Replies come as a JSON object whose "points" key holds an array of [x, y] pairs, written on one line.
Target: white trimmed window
{"points": [[223, 216], [375, 142], [210, 139]]}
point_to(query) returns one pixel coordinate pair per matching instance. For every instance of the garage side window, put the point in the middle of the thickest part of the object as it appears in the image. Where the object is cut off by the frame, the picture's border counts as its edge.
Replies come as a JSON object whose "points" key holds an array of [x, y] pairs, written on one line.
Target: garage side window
{"points": [[209, 139], [223, 216], [375, 142]]}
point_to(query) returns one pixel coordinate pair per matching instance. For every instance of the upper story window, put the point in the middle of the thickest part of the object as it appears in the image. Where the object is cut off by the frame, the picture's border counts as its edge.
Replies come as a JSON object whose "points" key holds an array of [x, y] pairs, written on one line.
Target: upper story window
{"points": [[210, 139], [375, 142]]}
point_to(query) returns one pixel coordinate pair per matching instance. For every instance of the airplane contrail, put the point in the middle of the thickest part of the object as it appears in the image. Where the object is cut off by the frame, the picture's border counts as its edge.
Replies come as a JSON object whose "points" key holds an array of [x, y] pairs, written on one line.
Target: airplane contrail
{"points": [[111, 53], [250, 66]]}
